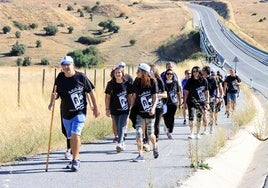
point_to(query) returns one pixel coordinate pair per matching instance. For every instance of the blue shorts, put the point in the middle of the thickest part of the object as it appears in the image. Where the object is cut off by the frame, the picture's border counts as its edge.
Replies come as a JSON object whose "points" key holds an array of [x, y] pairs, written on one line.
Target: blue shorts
{"points": [[231, 97], [74, 125]]}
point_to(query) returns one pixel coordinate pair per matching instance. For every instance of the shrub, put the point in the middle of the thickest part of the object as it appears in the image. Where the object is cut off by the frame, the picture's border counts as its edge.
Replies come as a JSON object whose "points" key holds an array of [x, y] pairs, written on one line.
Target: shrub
{"points": [[198, 55], [17, 49], [6, 29], [38, 43], [82, 14], [51, 30], [26, 61], [91, 16], [90, 40], [21, 26], [44, 61], [86, 58], [110, 25], [33, 25], [59, 5], [19, 61], [132, 42], [70, 8], [122, 14], [17, 34], [70, 29], [87, 8]]}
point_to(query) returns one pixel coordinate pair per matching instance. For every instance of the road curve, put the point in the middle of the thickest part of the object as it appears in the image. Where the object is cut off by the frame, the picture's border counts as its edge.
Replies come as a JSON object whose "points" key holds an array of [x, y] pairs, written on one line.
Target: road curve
{"points": [[249, 69]]}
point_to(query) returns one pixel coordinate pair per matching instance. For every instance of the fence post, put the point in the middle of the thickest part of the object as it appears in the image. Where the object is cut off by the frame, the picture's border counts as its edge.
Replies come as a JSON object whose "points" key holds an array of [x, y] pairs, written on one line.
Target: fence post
{"points": [[104, 78], [18, 86], [55, 74], [95, 77], [43, 81]]}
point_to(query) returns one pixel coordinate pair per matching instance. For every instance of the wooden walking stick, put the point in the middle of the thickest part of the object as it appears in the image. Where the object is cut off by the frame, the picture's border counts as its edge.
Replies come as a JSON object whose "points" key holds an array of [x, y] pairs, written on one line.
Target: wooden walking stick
{"points": [[50, 129]]}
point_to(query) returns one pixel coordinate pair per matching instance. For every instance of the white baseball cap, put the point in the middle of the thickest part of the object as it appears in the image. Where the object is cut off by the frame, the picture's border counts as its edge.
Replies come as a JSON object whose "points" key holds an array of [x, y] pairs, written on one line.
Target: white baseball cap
{"points": [[66, 60], [121, 64], [145, 67]]}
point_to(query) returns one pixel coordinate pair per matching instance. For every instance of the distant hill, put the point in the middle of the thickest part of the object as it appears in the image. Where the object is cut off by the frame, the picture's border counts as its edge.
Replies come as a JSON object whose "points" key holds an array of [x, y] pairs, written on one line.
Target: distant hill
{"points": [[151, 23]]}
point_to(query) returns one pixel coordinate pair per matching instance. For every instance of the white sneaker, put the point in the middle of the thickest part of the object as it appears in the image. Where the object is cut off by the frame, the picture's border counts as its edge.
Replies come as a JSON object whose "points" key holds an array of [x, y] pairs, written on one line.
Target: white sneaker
{"points": [[146, 147], [191, 136], [211, 130], [123, 146], [205, 132], [68, 155], [198, 136]]}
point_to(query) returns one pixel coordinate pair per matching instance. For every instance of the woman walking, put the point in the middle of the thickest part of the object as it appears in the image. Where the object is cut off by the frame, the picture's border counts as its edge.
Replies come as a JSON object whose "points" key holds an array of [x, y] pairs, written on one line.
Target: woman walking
{"points": [[162, 94], [196, 97], [117, 102], [145, 99], [174, 101]]}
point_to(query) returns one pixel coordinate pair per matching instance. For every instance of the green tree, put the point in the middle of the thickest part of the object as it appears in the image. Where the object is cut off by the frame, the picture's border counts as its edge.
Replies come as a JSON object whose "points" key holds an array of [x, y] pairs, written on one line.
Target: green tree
{"points": [[6, 29], [70, 29], [17, 49], [44, 61], [17, 34], [51, 30], [87, 58], [33, 25], [19, 61], [70, 8], [38, 43], [27, 61], [132, 42], [91, 16]]}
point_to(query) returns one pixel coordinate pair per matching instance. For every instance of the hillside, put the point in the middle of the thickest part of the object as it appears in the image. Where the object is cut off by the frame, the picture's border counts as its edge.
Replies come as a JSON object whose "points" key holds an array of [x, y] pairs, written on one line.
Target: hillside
{"points": [[150, 22], [146, 23]]}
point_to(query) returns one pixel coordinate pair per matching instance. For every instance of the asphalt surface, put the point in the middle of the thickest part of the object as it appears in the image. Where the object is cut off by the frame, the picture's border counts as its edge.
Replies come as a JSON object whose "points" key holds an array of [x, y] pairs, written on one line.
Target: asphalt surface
{"points": [[102, 167], [249, 69]]}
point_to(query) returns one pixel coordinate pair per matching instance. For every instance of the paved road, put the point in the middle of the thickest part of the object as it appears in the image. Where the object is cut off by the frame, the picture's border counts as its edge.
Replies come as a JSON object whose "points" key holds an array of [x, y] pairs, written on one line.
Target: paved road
{"points": [[247, 67], [102, 167]]}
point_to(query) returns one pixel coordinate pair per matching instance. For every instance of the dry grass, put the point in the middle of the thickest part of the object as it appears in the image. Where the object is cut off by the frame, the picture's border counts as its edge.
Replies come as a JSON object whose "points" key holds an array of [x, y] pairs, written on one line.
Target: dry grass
{"points": [[147, 23], [247, 25], [209, 146], [242, 116], [25, 129]]}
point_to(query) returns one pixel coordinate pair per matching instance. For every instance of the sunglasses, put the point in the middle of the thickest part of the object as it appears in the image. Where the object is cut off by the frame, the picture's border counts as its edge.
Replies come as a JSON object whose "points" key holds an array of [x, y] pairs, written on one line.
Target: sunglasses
{"points": [[188, 73], [169, 73], [195, 71]]}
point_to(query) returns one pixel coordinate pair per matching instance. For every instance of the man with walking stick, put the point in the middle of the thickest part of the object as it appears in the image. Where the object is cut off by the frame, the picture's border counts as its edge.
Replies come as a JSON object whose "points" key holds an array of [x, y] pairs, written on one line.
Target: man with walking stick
{"points": [[73, 88]]}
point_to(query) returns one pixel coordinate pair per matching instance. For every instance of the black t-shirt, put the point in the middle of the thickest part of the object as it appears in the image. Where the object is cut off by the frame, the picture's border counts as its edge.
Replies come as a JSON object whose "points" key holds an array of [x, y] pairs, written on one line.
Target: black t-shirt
{"points": [[172, 92], [129, 78], [161, 89], [232, 83], [72, 91], [144, 97], [119, 102], [212, 86], [196, 89]]}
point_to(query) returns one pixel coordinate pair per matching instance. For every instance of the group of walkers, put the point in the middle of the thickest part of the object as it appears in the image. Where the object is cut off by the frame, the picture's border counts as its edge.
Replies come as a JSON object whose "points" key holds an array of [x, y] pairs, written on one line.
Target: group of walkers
{"points": [[144, 100]]}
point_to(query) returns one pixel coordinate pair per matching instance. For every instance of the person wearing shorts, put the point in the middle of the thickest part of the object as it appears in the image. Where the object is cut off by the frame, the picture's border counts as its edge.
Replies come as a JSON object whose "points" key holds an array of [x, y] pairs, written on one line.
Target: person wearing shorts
{"points": [[73, 88], [232, 88]]}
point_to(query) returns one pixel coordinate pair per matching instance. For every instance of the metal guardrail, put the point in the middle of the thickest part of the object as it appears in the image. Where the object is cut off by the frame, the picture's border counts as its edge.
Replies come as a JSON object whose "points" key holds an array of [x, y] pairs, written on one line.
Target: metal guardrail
{"points": [[259, 55], [248, 49]]}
